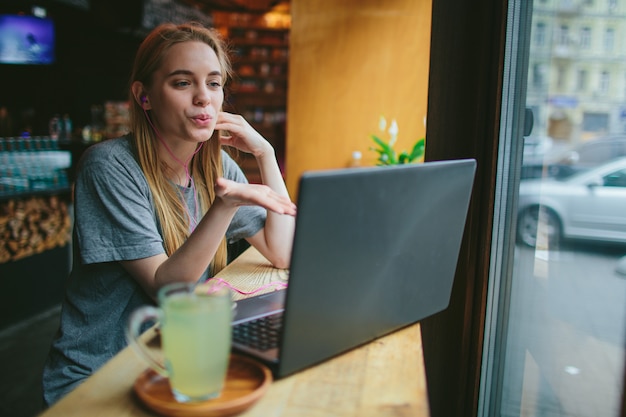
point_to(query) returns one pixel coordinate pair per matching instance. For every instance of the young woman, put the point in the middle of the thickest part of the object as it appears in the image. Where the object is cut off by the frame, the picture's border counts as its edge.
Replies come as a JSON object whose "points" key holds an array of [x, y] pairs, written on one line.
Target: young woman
{"points": [[160, 204]]}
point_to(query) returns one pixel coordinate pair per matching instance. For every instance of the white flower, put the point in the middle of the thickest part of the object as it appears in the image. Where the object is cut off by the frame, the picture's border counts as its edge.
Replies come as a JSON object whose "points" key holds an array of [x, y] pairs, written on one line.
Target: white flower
{"points": [[382, 123], [393, 132]]}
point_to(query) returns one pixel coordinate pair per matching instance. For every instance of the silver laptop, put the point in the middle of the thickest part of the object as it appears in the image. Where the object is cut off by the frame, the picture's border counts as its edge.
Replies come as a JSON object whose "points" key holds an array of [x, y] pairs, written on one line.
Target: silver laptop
{"points": [[375, 250]]}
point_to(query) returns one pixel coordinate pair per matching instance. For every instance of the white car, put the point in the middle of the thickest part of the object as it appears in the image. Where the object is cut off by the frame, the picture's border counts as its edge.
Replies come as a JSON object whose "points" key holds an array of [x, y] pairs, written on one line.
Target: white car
{"points": [[590, 205], [544, 156]]}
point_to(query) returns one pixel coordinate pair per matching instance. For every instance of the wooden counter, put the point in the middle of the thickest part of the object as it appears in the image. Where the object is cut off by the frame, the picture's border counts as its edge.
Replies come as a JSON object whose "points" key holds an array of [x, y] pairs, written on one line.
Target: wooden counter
{"points": [[383, 378]]}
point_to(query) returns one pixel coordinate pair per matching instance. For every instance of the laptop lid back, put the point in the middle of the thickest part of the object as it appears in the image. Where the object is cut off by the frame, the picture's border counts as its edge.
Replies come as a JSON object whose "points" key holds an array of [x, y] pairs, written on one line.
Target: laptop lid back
{"points": [[375, 250]]}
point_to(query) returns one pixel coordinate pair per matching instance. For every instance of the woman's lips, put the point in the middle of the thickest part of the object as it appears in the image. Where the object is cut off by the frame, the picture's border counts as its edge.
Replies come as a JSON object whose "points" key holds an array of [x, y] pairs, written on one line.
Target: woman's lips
{"points": [[202, 120]]}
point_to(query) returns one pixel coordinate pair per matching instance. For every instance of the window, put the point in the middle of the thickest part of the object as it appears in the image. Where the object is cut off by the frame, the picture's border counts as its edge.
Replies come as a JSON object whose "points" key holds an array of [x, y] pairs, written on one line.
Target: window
{"points": [[561, 74], [605, 81], [609, 39], [540, 34], [585, 38], [616, 179], [538, 76], [562, 37], [559, 301], [581, 82], [595, 122]]}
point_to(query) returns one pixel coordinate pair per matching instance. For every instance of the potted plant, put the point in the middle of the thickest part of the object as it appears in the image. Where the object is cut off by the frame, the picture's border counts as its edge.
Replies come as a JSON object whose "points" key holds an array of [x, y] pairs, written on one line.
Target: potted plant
{"points": [[387, 155]]}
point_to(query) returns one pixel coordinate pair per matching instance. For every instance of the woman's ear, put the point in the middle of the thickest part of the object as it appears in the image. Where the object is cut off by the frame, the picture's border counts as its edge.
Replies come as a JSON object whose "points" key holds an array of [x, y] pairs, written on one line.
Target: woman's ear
{"points": [[140, 95]]}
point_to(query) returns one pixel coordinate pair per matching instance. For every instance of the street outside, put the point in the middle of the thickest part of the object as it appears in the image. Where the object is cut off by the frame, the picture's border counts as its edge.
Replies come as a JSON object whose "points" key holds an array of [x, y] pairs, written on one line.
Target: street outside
{"points": [[567, 333]]}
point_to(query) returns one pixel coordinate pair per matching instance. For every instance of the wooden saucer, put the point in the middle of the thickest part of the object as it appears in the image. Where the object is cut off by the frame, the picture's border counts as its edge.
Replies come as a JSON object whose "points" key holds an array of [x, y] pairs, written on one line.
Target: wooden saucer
{"points": [[246, 382]]}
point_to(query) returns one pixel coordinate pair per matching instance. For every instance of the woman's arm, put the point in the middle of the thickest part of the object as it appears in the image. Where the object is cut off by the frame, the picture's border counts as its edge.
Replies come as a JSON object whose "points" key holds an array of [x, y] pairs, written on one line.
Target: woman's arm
{"points": [[190, 261], [275, 240]]}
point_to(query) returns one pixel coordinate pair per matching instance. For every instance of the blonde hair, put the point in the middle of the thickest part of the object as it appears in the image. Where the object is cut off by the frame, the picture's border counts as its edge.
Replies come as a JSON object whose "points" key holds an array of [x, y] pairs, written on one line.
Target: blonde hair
{"points": [[206, 165]]}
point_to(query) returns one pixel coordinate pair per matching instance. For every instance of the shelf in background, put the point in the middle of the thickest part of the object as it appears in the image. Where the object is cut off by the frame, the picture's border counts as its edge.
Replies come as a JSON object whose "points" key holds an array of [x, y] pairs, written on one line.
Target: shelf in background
{"points": [[259, 47]]}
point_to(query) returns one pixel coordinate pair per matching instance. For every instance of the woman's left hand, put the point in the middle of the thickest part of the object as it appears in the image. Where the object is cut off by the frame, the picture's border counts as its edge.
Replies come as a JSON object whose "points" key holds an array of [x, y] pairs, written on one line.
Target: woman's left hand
{"points": [[242, 135]]}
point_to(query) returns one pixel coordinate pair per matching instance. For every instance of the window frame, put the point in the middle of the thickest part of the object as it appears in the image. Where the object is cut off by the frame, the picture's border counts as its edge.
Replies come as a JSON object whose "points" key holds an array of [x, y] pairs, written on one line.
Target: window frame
{"points": [[467, 68]]}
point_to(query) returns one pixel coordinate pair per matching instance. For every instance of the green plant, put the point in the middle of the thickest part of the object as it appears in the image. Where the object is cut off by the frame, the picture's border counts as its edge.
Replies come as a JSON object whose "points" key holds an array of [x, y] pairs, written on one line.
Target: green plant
{"points": [[387, 155]]}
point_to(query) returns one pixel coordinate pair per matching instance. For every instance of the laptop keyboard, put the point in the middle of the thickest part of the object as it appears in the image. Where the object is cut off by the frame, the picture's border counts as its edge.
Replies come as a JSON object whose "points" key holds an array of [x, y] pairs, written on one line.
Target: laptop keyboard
{"points": [[260, 334]]}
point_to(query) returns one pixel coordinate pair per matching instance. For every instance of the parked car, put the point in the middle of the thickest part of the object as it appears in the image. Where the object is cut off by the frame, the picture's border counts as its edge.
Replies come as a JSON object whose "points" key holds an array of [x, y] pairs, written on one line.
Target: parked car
{"points": [[540, 152], [588, 205], [595, 152], [541, 160], [537, 147]]}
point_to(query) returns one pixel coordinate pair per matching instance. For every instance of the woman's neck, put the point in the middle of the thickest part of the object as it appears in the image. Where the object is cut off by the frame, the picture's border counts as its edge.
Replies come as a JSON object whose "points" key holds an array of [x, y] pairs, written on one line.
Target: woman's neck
{"points": [[178, 159]]}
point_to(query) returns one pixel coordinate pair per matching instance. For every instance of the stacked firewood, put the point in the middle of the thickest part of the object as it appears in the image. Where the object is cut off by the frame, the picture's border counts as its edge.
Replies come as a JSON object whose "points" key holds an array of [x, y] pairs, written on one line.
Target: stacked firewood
{"points": [[32, 225]]}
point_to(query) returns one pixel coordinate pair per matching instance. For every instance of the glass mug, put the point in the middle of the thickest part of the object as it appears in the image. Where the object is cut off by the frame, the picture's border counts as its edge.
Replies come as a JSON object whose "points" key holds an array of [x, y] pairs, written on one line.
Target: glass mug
{"points": [[195, 338]]}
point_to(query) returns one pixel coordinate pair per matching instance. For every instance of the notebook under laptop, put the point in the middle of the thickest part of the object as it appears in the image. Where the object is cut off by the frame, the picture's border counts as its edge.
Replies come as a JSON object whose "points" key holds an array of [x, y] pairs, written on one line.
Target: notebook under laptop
{"points": [[375, 249]]}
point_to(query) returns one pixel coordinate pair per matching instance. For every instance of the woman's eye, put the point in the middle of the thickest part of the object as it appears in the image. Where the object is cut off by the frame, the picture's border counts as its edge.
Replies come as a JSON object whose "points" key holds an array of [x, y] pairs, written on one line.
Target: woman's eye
{"points": [[181, 83], [214, 84]]}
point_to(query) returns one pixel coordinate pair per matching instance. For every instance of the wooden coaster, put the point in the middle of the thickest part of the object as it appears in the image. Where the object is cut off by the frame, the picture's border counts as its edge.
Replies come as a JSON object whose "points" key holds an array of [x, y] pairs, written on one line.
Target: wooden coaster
{"points": [[246, 382]]}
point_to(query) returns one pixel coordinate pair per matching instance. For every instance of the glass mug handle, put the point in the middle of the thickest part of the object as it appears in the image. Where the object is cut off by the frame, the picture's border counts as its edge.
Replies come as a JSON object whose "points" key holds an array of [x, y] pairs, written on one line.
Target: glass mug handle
{"points": [[137, 319]]}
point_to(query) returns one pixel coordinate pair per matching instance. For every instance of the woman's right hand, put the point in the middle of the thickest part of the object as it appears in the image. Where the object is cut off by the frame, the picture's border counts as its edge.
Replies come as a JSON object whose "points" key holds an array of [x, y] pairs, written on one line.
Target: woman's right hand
{"points": [[240, 194]]}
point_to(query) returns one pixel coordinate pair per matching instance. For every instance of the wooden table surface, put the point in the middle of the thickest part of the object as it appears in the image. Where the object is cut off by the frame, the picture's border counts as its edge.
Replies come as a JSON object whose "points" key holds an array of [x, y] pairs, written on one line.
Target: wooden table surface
{"points": [[383, 378]]}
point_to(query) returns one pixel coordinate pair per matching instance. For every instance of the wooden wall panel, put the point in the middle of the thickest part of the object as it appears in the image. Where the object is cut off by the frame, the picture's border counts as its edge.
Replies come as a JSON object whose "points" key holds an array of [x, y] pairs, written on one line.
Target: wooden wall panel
{"points": [[350, 62]]}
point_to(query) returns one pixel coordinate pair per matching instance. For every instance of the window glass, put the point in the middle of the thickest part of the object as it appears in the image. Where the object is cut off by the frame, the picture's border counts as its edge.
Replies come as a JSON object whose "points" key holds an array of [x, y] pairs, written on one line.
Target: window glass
{"points": [[582, 80], [557, 340], [540, 34], [585, 38], [594, 123], [616, 179], [609, 39]]}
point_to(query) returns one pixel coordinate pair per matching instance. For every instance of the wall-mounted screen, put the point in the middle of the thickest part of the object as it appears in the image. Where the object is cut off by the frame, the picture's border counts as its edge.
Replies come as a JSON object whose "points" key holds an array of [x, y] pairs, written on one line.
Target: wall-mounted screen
{"points": [[26, 40]]}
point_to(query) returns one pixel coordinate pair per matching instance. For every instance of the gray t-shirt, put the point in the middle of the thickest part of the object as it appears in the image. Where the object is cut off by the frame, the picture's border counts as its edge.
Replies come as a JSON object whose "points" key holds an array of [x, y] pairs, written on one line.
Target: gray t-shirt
{"points": [[115, 219]]}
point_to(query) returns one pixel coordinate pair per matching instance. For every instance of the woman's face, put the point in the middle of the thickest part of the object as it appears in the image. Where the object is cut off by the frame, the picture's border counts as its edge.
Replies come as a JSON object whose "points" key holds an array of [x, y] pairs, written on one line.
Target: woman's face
{"points": [[187, 94]]}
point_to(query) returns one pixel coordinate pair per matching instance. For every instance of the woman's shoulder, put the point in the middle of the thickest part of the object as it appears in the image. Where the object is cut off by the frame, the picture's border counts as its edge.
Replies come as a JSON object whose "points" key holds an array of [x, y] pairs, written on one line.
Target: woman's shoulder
{"points": [[117, 150], [226, 158], [231, 169], [110, 146], [228, 163], [111, 160]]}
